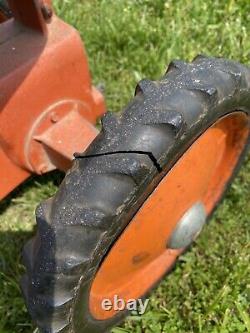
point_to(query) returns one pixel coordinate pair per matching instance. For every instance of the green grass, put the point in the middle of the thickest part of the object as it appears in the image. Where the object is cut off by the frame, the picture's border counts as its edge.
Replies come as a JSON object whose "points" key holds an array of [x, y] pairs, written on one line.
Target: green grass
{"points": [[126, 41]]}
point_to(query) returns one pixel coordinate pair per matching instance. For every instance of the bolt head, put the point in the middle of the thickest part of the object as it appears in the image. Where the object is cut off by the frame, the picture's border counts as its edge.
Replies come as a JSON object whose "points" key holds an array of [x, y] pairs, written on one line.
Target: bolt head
{"points": [[54, 117]]}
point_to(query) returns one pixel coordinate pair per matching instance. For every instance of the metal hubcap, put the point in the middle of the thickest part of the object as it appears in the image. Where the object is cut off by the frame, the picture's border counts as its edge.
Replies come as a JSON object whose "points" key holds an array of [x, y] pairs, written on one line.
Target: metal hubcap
{"points": [[189, 227]]}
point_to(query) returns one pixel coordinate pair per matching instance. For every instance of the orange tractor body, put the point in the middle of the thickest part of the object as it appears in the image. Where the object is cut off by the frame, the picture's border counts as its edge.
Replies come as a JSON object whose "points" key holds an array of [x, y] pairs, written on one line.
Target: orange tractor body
{"points": [[45, 93]]}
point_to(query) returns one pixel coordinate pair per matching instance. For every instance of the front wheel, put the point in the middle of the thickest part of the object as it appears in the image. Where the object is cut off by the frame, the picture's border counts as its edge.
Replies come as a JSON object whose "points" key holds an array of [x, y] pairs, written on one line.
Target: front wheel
{"points": [[139, 196]]}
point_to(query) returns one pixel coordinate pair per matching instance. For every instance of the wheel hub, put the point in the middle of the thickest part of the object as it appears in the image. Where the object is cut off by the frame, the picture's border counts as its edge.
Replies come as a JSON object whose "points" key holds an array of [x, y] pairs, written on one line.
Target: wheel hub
{"points": [[189, 227]]}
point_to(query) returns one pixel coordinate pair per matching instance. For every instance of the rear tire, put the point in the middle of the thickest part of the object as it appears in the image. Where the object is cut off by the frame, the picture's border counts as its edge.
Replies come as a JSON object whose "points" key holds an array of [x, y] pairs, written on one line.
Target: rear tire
{"points": [[108, 184]]}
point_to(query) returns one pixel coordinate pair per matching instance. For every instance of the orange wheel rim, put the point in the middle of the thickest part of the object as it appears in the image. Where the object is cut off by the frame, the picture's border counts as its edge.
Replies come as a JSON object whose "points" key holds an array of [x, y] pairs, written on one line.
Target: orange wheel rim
{"points": [[140, 257]]}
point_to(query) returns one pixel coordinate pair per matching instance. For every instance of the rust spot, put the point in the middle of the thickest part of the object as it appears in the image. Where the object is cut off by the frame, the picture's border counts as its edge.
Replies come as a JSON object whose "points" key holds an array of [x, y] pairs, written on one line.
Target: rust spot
{"points": [[137, 259]]}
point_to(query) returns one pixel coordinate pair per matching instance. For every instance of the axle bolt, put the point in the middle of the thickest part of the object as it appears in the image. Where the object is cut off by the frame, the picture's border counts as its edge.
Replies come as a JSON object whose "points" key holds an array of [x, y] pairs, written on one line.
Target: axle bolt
{"points": [[54, 117], [43, 169]]}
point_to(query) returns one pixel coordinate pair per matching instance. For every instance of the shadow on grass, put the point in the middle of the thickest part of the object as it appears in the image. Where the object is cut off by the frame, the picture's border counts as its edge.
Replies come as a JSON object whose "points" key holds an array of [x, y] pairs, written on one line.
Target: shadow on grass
{"points": [[14, 317], [54, 177]]}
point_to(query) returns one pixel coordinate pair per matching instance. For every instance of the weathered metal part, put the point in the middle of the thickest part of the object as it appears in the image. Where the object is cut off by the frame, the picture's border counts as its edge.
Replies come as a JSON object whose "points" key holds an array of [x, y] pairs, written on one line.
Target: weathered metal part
{"points": [[189, 227], [11, 175], [48, 151], [29, 14], [41, 70]]}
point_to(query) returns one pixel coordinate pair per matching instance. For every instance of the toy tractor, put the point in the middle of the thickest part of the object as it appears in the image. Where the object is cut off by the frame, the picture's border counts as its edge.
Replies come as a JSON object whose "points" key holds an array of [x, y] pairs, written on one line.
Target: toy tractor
{"points": [[137, 194]]}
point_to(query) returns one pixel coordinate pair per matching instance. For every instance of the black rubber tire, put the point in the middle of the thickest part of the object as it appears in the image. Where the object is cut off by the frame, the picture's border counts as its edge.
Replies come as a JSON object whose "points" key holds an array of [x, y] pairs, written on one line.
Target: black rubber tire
{"points": [[110, 181]]}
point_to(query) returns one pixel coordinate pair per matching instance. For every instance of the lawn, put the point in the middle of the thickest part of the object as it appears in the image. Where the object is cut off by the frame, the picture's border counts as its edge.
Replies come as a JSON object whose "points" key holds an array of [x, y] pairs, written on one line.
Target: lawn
{"points": [[127, 40]]}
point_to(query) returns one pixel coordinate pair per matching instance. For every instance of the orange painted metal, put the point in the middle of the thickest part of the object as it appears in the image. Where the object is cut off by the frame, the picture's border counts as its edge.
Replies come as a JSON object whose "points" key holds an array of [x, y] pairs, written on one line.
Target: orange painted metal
{"points": [[28, 13], [78, 133], [2, 17], [140, 257], [11, 175], [44, 75]]}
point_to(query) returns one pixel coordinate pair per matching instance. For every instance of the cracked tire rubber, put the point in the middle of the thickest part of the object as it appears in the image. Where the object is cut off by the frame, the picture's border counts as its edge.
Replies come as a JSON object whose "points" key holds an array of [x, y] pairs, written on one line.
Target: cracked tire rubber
{"points": [[101, 193]]}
